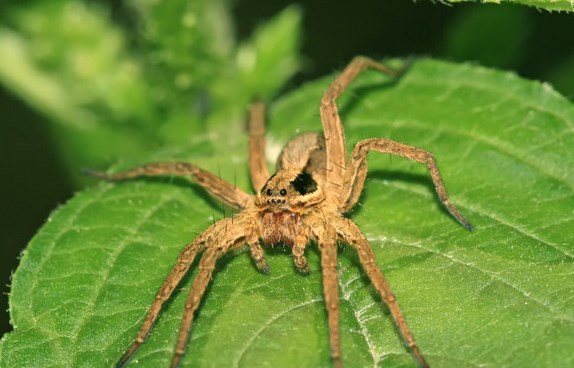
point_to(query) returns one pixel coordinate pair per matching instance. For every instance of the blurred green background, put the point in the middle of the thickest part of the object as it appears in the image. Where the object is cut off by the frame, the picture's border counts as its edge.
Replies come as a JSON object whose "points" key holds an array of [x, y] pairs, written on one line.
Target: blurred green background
{"points": [[536, 44]]}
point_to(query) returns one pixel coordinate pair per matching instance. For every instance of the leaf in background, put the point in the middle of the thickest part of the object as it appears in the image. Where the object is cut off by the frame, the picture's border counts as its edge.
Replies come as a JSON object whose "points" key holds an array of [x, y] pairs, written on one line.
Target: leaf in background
{"points": [[113, 92], [184, 42], [69, 62], [495, 35], [562, 76], [499, 296], [262, 66], [271, 51], [564, 5], [185, 46]]}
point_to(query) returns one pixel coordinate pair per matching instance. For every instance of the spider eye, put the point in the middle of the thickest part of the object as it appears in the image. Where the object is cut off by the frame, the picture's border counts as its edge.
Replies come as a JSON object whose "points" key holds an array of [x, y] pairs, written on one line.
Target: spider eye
{"points": [[269, 192], [283, 192]]}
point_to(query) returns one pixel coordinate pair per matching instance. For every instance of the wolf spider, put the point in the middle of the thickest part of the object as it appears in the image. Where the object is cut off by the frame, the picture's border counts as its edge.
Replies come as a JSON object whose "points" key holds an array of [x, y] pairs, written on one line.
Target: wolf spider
{"points": [[303, 202]]}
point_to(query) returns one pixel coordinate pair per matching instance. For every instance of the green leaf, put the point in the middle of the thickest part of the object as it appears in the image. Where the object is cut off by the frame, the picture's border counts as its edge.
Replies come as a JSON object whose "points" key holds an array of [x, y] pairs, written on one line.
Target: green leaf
{"points": [[562, 76], [495, 35], [272, 51], [565, 5], [499, 296]]}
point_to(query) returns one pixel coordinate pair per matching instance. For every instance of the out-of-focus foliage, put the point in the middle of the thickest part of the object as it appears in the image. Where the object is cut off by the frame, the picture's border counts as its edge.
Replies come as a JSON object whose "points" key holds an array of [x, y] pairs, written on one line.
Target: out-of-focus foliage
{"points": [[551, 5], [113, 94]]}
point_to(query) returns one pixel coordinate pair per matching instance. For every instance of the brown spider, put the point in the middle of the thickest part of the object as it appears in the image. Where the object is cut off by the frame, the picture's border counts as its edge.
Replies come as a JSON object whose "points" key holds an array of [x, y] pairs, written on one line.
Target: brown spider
{"points": [[303, 202]]}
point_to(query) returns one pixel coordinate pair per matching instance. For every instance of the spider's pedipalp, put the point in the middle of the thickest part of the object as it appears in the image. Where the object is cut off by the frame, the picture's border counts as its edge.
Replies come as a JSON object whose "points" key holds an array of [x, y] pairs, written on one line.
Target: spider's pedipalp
{"points": [[298, 250], [256, 252]]}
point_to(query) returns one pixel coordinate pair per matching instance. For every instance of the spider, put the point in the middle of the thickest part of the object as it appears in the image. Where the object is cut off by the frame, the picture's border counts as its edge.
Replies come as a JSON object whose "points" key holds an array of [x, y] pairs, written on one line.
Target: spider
{"points": [[302, 203]]}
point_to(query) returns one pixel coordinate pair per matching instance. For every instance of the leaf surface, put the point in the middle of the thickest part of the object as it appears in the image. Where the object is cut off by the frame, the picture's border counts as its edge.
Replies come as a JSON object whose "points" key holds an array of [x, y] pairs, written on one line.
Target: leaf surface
{"points": [[550, 5], [499, 296]]}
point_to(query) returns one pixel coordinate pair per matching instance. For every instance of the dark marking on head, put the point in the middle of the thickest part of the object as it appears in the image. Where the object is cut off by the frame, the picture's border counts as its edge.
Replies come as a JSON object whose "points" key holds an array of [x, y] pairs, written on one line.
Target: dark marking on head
{"points": [[304, 183]]}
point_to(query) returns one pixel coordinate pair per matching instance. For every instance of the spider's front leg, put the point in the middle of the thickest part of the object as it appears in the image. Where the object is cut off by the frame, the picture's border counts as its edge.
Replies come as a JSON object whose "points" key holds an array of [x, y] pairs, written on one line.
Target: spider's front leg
{"points": [[184, 261], [354, 179], [227, 234], [327, 243], [350, 234], [218, 239]]}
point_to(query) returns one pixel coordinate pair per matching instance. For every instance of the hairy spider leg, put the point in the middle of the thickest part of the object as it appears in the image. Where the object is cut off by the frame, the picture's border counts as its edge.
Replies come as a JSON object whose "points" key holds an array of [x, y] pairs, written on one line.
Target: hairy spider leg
{"points": [[184, 261], [327, 243], [217, 233], [357, 171], [257, 164], [355, 238], [213, 184], [332, 127], [221, 240]]}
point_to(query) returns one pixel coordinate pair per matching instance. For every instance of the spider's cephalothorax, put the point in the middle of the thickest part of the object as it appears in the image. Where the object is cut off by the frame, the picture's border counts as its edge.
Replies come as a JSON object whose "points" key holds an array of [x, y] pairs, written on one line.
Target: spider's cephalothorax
{"points": [[289, 190], [303, 202], [284, 205]]}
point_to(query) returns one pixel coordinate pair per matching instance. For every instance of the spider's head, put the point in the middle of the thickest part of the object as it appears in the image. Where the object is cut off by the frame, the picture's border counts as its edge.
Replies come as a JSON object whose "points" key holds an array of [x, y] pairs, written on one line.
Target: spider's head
{"points": [[289, 190]]}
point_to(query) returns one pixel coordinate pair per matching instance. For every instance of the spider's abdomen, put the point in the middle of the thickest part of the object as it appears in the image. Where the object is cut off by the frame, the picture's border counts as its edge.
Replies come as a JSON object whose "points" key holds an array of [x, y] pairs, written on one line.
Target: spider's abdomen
{"points": [[279, 227]]}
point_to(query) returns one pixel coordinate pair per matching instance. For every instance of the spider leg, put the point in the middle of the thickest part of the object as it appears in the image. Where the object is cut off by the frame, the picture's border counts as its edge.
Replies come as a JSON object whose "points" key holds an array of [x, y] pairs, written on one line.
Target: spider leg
{"points": [[350, 234], [224, 239], [357, 171], [257, 163], [327, 244], [184, 261], [332, 127], [217, 187]]}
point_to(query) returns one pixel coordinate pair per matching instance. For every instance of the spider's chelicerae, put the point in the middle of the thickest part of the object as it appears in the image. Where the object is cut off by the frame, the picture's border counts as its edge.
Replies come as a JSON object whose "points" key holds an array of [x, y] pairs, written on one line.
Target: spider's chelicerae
{"points": [[302, 203]]}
